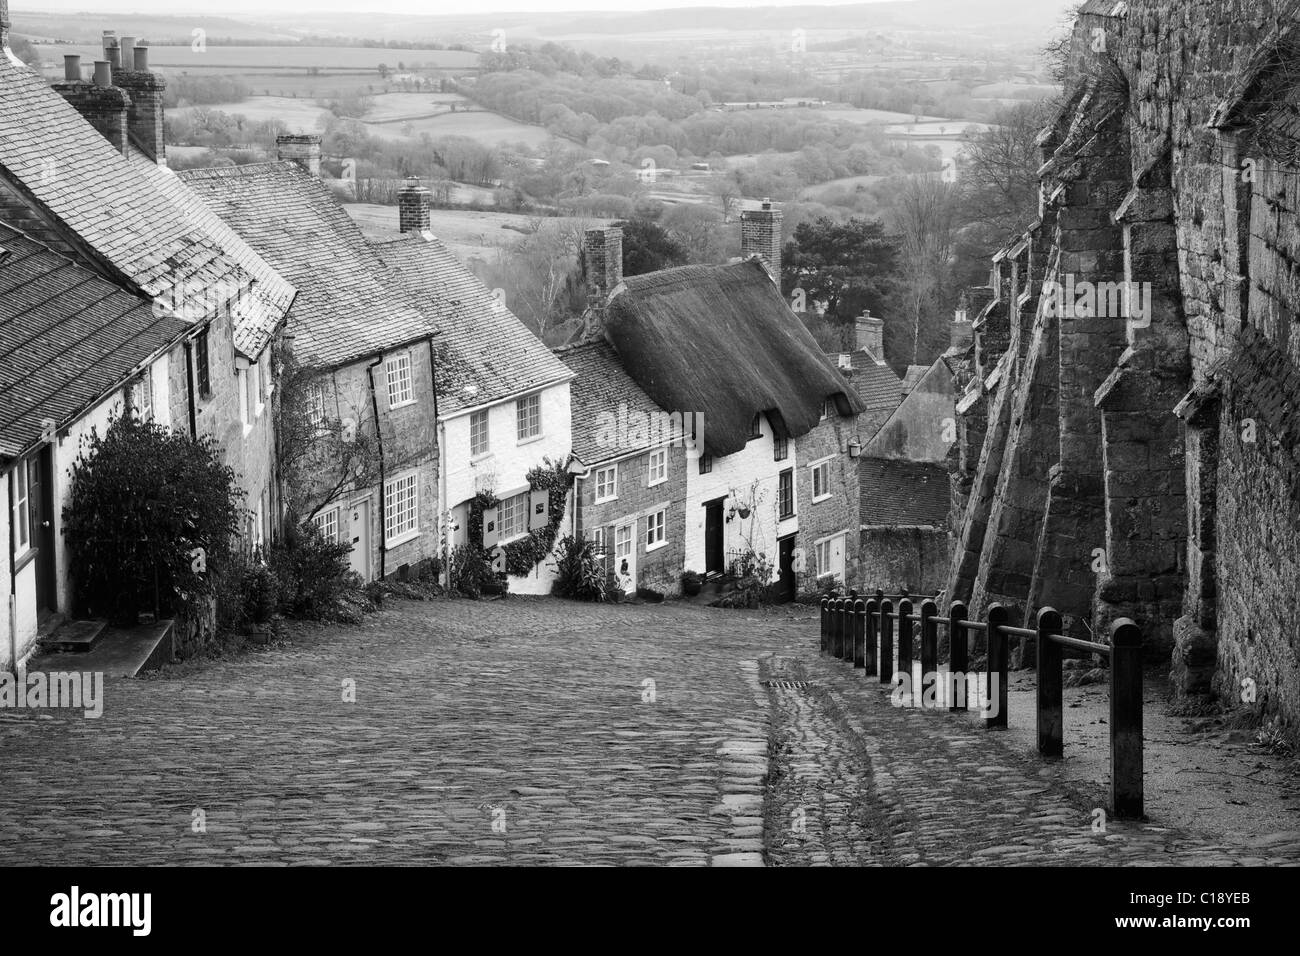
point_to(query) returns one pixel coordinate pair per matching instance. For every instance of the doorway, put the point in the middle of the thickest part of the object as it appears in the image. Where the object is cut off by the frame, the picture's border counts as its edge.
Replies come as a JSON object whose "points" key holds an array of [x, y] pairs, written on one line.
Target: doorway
{"points": [[359, 530], [713, 556], [41, 480], [786, 584]]}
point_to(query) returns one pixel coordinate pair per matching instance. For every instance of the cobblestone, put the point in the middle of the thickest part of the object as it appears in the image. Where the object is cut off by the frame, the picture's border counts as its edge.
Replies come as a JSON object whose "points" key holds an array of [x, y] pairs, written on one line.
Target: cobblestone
{"points": [[532, 731]]}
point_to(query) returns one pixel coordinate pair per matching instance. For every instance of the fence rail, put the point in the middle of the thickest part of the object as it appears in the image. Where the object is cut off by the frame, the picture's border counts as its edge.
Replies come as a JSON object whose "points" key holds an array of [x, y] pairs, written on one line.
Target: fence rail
{"points": [[862, 632]]}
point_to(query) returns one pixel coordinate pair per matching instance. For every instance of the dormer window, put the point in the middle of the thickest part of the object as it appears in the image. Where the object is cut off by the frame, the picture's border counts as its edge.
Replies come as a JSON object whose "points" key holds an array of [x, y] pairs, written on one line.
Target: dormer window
{"points": [[756, 427]]}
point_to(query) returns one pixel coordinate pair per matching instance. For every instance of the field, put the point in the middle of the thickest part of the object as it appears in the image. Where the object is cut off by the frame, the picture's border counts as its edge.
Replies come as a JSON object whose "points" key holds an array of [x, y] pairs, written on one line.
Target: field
{"points": [[266, 59], [487, 128], [467, 233], [300, 115]]}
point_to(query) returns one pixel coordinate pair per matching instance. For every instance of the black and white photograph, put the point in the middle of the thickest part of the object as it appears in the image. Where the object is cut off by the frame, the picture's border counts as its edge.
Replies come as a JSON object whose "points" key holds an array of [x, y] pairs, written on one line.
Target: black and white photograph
{"points": [[650, 433]]}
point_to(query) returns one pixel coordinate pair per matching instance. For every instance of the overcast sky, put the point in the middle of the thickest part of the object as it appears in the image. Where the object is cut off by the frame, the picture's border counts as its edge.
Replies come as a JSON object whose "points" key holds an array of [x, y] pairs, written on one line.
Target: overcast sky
{"points": [[238, 7]]}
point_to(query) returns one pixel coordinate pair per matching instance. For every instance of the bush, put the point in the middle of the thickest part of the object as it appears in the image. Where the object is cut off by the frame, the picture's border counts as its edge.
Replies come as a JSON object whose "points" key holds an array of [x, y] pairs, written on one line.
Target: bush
{"points": [[578, 573], [471, 571], [312, 574], [150, 519]]}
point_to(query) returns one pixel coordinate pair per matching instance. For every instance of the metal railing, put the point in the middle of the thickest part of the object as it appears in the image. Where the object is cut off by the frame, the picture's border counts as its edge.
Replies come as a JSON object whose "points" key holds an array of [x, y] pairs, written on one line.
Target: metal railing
{"points": [[863, 632]]}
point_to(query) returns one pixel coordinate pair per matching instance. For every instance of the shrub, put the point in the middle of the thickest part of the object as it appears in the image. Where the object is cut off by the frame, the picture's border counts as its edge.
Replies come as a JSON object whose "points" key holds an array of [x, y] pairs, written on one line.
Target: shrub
{"points": [[471, 571], [578, 573], [312, 573], [150, 519]]}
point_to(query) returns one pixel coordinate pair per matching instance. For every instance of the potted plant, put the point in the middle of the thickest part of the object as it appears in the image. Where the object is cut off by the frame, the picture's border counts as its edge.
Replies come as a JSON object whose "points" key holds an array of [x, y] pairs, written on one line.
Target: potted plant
{"points": [[692, 583]]}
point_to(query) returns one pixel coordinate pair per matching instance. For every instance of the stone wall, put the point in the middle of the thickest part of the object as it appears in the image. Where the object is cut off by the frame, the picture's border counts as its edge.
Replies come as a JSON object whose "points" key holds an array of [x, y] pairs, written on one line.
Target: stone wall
{"points": [[895, 558], [841, 512]]}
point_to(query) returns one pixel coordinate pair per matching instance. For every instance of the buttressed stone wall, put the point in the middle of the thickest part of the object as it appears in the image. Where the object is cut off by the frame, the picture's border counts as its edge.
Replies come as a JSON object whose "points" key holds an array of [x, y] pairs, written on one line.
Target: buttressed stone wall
{"points": [[1130, 436]]}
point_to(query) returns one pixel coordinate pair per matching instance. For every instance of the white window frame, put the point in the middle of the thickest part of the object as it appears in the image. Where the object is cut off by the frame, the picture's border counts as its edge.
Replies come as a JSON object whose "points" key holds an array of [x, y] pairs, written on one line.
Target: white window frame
{"points": [[316, 407], [598, 540], [142, 396], [623, 543], [407, 486], [21, 514], [611, 493], [528, 418], [327, 522], [816, 467], [822, 562], [657, 467], [512, 517], [398, 374], [656, 530], [475, 419]]}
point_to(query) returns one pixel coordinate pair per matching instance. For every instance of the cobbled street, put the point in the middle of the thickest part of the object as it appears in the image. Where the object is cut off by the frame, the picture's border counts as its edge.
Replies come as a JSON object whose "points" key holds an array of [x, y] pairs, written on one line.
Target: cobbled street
{"points": [[532, 731]]}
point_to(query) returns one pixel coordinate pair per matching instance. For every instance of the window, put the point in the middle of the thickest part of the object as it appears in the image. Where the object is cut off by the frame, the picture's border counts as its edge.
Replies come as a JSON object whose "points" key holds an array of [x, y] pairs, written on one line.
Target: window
{"points": [[654, 530], [254, 380], [823, 558], [328, 524], [785, 493], [22, 514], [780, 448], [478, 433], [821, 479], [401, 509], [706, 464], [242, 381], [623, 541], [529, 414], [658, 467], [201, 364], [512, 518], [607, 483], [399, 380], [756, 427], [598, 541], [826, 409], [316, 408], [140, 396]]}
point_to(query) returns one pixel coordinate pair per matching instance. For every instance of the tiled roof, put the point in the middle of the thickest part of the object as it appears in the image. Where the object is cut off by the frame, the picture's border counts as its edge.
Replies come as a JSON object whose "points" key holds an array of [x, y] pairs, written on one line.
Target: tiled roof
{"points": [[602, 392], [900, 492], [349, 305], [488, 354], [68, 337], [878, 385], [914, 374], [134, 217]]}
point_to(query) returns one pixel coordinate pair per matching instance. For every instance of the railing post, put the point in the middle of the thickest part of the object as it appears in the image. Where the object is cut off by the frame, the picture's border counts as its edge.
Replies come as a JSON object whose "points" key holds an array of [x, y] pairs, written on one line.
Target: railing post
{"points": [[846, 627], [837, 625], [996, 674], [826, 623], [958, 657], [869, 638], [905, 640], [1051, 716], [929, 652], [859, 633], [1126, 720], [886, 642]]}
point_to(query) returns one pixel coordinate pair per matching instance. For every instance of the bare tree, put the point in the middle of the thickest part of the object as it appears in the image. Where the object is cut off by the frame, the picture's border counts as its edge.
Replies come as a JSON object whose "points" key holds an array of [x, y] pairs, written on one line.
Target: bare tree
{"points": [[925, 215]]}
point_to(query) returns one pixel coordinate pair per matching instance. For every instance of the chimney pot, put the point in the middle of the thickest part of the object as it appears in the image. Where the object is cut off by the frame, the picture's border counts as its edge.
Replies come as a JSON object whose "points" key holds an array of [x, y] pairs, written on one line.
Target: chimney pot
{"points": [[142, 56], [109, 39], [72, 67], [103, 73], [127, 45], [114, 53]]}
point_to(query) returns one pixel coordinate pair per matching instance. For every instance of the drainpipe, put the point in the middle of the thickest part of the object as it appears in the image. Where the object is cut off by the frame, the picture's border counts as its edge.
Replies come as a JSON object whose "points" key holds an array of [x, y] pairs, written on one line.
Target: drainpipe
{"points": [[439, 441], [190, 386], [379, 439]]}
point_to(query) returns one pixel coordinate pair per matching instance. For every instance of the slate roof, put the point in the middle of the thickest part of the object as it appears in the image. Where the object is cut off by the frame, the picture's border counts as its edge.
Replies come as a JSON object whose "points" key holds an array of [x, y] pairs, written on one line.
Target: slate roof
{"points": [[135, 218], [722, 342], [349, 305], [602, 392], [487, 353], [68, 337], [879, 386], [914, 374], [895, 491]]}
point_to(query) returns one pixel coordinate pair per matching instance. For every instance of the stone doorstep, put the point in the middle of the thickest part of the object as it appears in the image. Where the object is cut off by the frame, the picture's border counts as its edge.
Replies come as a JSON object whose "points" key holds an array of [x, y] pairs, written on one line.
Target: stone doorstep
{"points": [[117, 652], [74, 637]]}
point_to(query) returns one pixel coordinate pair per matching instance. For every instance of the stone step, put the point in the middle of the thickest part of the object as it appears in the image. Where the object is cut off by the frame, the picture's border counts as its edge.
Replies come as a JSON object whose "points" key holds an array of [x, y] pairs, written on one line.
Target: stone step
{"points": [[75, 637], [121, 652]]}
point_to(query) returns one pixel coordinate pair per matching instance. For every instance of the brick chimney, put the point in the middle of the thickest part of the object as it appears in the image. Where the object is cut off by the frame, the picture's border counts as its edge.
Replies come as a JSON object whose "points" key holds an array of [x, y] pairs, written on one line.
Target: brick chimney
{"points": [[100, 103], [869, 334], [301, 148], [760, 235], [145, 88], [961, 334], [602, 251], [413, 206]]}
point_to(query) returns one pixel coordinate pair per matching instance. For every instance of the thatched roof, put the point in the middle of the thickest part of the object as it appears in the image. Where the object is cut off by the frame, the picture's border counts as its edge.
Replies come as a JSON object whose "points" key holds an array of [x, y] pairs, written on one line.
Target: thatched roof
{"points": [[720, 340]]}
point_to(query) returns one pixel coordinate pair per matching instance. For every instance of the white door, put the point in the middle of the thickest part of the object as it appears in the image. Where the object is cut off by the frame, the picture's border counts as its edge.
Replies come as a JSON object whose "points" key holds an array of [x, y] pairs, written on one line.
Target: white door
{"points": [[837, 558], [359, 532], [625, 556]]}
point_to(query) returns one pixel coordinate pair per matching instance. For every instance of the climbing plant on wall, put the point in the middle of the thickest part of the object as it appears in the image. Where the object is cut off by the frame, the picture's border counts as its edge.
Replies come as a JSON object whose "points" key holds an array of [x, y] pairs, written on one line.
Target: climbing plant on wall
{"points": [[524, 554]]}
